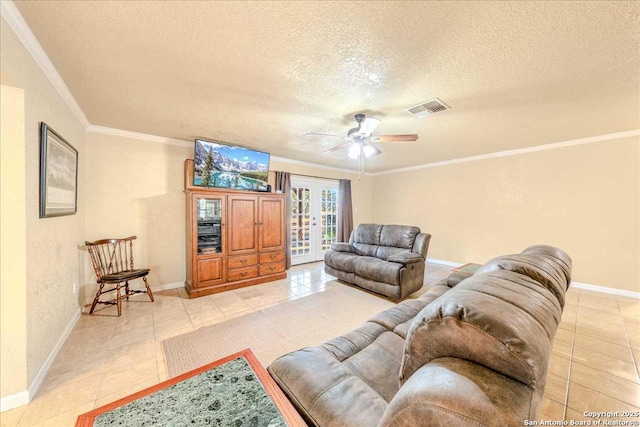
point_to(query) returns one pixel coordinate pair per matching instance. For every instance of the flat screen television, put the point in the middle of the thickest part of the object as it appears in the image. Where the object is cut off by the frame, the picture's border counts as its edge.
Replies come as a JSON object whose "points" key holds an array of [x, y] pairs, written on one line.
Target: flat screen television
{"points": [[229, 166]]}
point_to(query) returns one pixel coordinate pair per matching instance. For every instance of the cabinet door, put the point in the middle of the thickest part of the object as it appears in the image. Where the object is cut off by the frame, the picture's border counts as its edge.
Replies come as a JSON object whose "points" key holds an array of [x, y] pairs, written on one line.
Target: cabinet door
{"points": [[210, 271], [208, 240], [271, 224], [242, 226], [208, 230]]}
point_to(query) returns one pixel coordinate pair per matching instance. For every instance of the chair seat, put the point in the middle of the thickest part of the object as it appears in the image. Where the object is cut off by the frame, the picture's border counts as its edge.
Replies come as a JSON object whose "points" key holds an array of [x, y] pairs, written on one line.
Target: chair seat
{"points": [[124, 275]]}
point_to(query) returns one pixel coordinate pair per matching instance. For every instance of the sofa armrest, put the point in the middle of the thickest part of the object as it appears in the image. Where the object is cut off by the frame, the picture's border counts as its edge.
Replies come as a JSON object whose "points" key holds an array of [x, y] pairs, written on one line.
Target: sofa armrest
{"points": [[405, 258], [421, 244], [457, 277], [456, 392], [342, 247]]}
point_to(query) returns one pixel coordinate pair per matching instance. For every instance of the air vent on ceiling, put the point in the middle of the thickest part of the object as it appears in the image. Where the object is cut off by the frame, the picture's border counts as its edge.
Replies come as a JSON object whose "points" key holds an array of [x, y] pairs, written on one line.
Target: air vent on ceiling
{"points": [[429, 107]]}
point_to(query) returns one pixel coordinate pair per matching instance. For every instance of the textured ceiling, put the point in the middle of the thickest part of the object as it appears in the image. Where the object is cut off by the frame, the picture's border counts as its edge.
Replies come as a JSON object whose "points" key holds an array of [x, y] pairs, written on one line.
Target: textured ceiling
{"points": [[262, 74]]}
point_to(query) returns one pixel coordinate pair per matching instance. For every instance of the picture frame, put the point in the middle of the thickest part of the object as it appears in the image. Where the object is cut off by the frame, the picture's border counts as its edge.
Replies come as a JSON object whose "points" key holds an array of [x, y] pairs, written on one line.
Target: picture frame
{"points": [[58, 174]]}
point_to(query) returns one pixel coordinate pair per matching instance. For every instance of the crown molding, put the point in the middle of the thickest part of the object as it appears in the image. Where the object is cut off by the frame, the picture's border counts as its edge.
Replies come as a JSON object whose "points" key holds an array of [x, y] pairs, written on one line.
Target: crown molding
{"points": [[137, 135], [545, 147], [315, 165], [14, 19], [183, 143]]}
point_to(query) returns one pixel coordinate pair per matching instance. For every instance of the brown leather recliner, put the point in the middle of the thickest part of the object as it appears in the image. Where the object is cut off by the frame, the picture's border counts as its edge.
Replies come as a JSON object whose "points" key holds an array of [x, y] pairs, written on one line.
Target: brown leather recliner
{"points": [[473, 350], [386, 259]]}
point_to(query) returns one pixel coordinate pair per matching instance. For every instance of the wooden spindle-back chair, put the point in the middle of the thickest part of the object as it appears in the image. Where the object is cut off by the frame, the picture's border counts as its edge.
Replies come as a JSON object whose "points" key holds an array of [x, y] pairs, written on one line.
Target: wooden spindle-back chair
{"points": [[113, 264]]}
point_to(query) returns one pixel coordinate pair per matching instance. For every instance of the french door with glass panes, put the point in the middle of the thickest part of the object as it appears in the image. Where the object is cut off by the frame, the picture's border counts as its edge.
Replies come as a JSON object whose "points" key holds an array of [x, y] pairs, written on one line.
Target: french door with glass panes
{"points": [[314, 218]]}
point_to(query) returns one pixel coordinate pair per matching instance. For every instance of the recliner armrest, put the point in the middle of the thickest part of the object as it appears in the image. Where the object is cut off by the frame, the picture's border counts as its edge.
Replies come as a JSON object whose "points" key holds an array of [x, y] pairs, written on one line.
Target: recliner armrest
{"points": [[342, 247], [405, 258]]}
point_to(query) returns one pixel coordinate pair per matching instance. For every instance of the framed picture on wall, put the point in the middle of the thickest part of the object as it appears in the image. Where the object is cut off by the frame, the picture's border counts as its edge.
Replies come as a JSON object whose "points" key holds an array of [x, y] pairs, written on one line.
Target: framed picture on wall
{"points": [[58, 174]]}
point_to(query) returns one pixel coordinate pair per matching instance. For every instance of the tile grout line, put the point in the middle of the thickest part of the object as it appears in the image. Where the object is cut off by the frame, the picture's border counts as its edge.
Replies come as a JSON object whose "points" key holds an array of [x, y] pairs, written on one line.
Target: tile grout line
{"points": [[102, 374], [573, 344], [626, 335]]}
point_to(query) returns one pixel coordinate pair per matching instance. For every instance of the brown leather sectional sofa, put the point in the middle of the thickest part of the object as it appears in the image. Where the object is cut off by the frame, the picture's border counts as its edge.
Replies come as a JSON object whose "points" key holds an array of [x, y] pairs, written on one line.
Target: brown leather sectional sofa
{"points": [[471, 351], [386, 259]]}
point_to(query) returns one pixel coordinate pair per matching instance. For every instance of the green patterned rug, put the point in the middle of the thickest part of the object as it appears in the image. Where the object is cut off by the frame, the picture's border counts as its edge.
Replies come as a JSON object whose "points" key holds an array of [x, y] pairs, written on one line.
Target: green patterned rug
{"points": [[227, 395]]}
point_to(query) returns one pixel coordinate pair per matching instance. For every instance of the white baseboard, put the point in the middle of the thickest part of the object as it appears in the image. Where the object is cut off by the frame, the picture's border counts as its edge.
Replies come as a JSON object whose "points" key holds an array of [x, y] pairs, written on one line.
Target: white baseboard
{"points": [[42, 372], [22, 398], [442, 262], [606, 290], [167, 286], [14, 400], [579, 285]]}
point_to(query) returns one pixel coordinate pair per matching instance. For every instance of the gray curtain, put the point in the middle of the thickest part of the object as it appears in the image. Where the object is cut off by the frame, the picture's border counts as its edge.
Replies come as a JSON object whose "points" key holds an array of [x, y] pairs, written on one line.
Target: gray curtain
{"points": [[345, 210], [283, 183]]}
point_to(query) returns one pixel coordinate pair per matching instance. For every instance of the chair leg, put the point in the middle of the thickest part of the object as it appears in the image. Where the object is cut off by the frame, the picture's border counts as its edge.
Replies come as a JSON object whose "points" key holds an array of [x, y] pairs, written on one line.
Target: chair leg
{"points": [[126, 289], [95, 300], [148, 288], [118, 299]]}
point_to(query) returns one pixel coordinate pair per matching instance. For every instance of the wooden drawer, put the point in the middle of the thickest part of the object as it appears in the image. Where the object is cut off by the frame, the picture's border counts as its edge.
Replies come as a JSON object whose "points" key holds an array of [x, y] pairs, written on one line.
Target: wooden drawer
{"points": [[271, 268], [271, 257], [242, 261], [235, 274]]}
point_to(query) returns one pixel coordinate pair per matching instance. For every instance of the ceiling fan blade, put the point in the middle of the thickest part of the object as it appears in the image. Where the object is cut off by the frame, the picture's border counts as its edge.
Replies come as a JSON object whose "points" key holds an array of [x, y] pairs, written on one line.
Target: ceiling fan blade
{"points": [[392, 138], [326, 134], [337, 147], [368, 125]]}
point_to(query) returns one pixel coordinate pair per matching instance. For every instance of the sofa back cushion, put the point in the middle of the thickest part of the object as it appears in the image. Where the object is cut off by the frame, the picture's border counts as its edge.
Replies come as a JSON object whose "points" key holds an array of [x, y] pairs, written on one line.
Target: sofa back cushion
{"points": [[395, 239], [548, 266], [503, 320], [366, 238], [398, 236]]}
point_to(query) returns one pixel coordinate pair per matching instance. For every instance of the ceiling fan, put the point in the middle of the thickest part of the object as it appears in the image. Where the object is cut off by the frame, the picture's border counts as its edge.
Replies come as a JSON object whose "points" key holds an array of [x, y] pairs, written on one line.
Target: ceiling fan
{"points": [[360, 137]]}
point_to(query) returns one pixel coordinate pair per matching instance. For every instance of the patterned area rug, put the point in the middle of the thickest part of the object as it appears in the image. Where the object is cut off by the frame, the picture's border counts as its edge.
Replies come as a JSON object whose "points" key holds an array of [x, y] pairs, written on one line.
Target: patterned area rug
{"points": [[276, 330], [227, 395]]}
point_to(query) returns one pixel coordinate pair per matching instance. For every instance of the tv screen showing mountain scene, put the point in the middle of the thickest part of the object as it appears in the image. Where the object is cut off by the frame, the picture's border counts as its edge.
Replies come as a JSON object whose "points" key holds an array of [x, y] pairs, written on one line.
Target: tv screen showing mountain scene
{"points": [[229, 166]]}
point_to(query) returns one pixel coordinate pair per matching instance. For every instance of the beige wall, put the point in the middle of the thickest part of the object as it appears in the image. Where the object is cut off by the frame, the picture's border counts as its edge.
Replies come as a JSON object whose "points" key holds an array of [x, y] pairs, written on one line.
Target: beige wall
{"points": [[135, 187], [51, 243], [13, 243], [584, 199]]}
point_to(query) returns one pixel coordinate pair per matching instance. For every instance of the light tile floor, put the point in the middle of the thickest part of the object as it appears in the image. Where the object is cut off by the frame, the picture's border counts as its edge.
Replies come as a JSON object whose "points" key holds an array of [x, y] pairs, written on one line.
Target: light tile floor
{"points": [[594, 363]]}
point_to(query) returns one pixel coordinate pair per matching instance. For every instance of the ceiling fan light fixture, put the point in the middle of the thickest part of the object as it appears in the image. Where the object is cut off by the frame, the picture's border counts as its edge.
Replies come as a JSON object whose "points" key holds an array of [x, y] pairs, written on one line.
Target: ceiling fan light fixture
{"points": [[368, 125], [368, 150], [354, 151]]}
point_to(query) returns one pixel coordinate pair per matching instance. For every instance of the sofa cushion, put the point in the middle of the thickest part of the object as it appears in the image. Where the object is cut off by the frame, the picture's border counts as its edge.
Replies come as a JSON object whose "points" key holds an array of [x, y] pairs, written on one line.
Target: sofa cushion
{"points": [[434, 291], [345, 346], [501, 320], [365, 249], [560, 257], [398, 314], [378, 364], [398, 236], [542, 265], [324, 390], [366, 233], [376, 269], [384, 252], [343, 261]]}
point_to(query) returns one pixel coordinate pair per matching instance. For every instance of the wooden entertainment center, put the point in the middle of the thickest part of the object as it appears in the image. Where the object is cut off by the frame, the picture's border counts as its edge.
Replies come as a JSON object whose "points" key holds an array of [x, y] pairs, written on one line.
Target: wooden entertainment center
{"points": [[234, 238]]}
